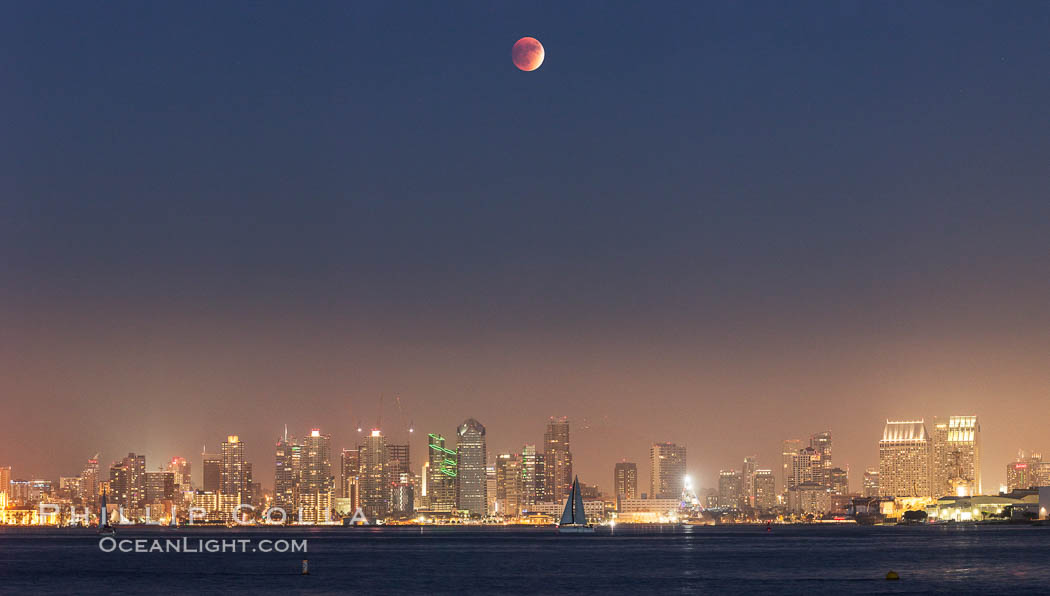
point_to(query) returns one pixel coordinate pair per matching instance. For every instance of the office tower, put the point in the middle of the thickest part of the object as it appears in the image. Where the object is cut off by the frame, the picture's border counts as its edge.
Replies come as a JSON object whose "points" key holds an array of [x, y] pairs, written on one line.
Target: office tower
{"points": [[956, 465], [788, 458], [315, 478], [349, 462], [402, 494], [374, 479], [180, 469], [491, 488], [233, 475], [89, 478], [904, 460], [1027, 472], [625, 480], [667, 471], [471, 457], [803, 465], [441, 484], [838, 481], [424, 480], [160, 487], [748, 473], [253, 491], [129, 478], [820, 459], [871, 483], [212, 467], [557, 458], [532, 477], [765, 485], [398, 459], [509, 484], [730, 489], [5, 479], [287, 456]]}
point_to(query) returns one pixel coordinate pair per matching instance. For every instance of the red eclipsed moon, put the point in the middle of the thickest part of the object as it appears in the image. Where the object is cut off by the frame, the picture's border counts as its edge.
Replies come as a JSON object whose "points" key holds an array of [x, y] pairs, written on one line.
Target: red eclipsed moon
{"points": [[527, 54]]}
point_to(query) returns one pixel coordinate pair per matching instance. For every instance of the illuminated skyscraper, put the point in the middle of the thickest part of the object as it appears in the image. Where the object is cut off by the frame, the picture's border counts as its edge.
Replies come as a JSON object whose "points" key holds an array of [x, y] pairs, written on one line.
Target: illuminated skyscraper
{"points": [[5, 478], [287, 455], [315, 478], [374, 479], [731, 489], [180, 469], [871, 483], [957, 457], [509, 484], [350, 462], [441, 483], [532, 477], [788, 461], [160, 488], [667, 471], [1027, 472], [820, 459], [88, 489], [557, 457], [765, 490], [748, 474], [904, 460], [625, 480], [233, 476], [471, 458]]}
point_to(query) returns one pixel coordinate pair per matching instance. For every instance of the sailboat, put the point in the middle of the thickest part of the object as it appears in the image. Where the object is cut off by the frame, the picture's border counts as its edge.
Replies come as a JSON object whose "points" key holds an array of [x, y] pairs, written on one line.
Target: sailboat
{"points": [[574, 518], [103, 518]]}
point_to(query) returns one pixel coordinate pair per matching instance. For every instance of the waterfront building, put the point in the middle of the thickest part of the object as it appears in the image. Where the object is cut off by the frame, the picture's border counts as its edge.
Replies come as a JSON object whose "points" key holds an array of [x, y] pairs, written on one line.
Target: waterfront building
{"points": [[810, 498], [471, 459], [956, 457], [5, 479], [667, 471], [1027, 472], [234, 475], [730, 490], [287, 457], [441, 481], [904, 460], [765, 490], [315, 478], [509, 485], [374, 479], [625, 480], [557, 457]]}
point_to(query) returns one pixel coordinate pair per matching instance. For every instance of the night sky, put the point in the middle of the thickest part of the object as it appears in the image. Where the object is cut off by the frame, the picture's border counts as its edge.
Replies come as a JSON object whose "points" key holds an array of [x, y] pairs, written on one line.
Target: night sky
{"points": [[718, 224]]}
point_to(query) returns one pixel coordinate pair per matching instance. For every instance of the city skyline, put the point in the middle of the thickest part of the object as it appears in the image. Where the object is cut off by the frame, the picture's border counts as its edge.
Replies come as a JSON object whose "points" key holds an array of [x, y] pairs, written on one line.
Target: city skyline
{"points": [[740, 223]]}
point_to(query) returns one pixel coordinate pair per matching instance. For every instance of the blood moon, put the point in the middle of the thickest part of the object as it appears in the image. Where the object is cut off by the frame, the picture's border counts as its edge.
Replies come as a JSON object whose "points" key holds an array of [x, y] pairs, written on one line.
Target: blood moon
{"points": [[527, 54]]}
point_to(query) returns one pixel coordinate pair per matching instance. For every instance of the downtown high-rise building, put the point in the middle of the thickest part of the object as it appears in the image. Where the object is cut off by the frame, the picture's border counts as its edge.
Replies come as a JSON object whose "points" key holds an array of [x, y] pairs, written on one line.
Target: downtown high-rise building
{"points": [[315, 478], [441, 475], [667, 471], [180, 470], [956, 452], [533, 477], [287, 457], [234, 476], [748, 475], [904, 460], [349, 470], [765, 490], [160, 489], [625, 480], [373, 478], [509, 484], [88, 487], [820, 459], [471, 459], [789, 463], [1027, 471], [870, 485], [127, 479], [212, 472], [730, 490], [557, 458]]}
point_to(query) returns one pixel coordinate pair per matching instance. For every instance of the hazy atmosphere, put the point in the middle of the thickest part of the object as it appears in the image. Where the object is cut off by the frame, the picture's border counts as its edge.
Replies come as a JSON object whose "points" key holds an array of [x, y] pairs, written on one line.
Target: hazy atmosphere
{"points": [[722, 226]]}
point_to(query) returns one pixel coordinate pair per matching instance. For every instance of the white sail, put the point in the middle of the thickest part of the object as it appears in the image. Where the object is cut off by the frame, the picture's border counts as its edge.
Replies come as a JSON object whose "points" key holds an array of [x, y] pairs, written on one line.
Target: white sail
{"points": [[579, 515]]}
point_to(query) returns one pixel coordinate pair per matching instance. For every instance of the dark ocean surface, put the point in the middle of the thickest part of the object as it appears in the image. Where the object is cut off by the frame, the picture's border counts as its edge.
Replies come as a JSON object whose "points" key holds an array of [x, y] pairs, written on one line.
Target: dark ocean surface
{"points": [[733, 560]]}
